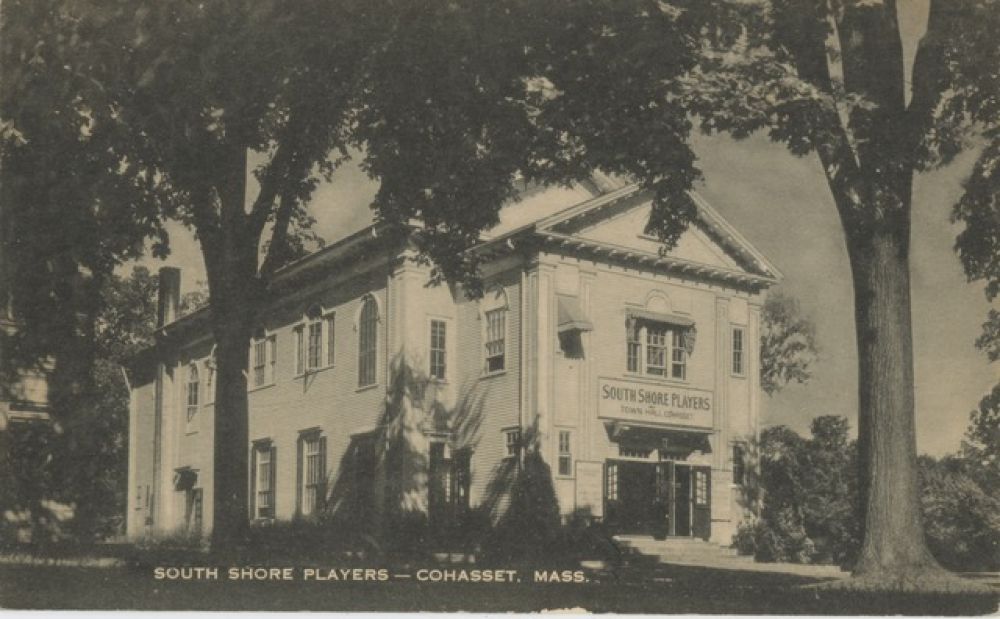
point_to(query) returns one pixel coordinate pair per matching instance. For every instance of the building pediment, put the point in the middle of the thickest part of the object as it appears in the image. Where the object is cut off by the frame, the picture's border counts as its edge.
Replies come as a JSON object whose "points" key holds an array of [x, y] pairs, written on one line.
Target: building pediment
{"points": [[611, 224]]}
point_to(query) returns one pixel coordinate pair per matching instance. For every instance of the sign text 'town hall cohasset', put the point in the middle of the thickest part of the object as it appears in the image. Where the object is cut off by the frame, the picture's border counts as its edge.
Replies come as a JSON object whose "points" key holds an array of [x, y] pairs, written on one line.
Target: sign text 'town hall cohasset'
{"points": [[639, 401]]}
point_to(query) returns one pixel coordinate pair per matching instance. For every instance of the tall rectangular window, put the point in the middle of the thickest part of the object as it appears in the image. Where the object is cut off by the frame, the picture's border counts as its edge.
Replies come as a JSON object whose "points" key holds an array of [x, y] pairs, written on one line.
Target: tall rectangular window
{"points": [[193, 392], [312, 473], [496, 331], [314, 352], [512, 440], [611, 481], [656, 350], [565, 453], [367, 342], [331, 338], [263, 356], [264, 480], [438, 350], [739, 464], [634, 346], [738, 351], [678, 356], [700, 488], [260, 362]]}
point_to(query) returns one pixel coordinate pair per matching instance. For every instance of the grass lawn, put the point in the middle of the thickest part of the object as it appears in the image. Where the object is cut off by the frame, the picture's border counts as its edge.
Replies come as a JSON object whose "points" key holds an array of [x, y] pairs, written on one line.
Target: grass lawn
{"points": [[633, 588]]}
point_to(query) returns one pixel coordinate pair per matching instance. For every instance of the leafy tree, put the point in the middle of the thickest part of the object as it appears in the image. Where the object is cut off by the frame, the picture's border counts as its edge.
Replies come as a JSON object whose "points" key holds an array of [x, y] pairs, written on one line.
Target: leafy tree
{"points": [[809, 492], [787, 343], [810, 495], [82, 461], [828, 78], [448, 101], [76, 203], [962, 515]]}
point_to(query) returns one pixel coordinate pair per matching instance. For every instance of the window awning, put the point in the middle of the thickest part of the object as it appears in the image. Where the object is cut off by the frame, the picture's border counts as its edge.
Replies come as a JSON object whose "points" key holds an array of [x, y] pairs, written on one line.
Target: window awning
{"points": [[571, 317], [185, 478], [669, 440], [673, 319]]}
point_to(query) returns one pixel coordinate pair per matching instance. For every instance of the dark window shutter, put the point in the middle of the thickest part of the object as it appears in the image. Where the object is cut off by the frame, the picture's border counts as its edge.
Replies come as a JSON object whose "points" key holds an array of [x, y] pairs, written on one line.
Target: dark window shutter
{"points": [[298, 477], [321, 496], [253, 482], [274, 482]]}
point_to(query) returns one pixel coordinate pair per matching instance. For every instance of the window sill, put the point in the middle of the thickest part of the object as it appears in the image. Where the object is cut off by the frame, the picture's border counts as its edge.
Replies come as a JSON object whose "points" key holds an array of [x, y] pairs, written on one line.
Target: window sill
{"points": [[492, 374], [260, 387], [366, 388], [189, 431], [657, 378], [739, 376]]}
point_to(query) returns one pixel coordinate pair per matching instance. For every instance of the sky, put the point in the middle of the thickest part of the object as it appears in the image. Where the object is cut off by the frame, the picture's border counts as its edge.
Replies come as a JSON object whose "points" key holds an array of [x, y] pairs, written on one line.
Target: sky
{"points": [[783, 206]]}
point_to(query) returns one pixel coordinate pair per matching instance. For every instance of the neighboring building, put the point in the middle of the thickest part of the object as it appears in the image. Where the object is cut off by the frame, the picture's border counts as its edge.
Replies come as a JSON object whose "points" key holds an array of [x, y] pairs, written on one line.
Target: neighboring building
{"points": [[634, 375], [24, 399]]}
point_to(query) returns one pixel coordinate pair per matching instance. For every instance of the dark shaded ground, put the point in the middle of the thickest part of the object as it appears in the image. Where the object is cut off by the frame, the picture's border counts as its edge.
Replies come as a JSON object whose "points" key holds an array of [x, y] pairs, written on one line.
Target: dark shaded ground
{"points": [[630, 589]]}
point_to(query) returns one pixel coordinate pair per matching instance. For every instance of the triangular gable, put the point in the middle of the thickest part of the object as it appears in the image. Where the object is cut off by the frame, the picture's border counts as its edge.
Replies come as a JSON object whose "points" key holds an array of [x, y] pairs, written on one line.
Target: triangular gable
{"points": [[626, 230], [618, 218]]}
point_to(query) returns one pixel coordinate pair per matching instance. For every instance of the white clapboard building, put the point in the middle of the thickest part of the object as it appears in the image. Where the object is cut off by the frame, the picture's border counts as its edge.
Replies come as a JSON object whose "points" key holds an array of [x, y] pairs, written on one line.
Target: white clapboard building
{"points": [[632, 375]]}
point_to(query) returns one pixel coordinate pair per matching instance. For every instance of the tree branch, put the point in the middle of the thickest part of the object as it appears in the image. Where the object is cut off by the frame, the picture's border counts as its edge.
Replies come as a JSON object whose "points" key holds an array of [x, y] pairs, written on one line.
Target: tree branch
{"points": [[276, 248], [929, 78], [804, 36], [278, 172]]}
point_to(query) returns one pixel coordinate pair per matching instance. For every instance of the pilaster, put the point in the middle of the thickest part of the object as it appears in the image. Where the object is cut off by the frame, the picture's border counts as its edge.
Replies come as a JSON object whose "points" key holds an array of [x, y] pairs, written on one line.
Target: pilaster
{"points": [[720, 412]]}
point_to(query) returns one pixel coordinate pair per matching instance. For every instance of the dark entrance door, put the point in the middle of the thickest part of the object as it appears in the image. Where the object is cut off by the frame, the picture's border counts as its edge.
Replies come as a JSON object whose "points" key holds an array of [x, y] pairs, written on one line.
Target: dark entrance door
{"points": [[682, 501], [631, 494], [637, 489]]}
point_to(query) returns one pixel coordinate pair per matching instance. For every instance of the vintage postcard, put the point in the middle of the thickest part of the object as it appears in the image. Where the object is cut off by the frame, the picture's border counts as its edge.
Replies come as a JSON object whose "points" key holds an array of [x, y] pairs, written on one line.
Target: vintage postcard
{"points": [[662, 307]]}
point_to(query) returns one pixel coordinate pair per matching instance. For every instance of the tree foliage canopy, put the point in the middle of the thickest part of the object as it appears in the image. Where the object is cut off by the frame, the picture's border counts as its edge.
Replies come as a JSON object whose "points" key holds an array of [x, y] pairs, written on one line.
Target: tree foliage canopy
{"points": [[787, 343]]}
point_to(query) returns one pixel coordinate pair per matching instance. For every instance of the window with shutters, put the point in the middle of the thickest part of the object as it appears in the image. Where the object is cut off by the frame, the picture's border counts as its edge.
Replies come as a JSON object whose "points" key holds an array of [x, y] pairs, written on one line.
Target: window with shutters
{"points": [[368, 342], [193, 393], [494, 308], [312, 472], [264, 359], [314, 341], [314, 345], [264, 479], [438, 349], [496, 327], [656, 349], [512, 441]]}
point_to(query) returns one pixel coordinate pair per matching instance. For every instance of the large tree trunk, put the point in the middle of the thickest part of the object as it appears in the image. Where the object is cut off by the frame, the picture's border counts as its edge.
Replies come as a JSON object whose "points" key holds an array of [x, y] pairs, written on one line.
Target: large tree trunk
{"points": [[230, 251], [894, 550], [232, 440]]}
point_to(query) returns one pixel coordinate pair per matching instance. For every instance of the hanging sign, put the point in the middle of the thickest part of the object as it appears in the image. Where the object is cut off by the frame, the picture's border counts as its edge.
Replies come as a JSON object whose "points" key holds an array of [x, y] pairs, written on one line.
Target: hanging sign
{"points": [[633, 400]]}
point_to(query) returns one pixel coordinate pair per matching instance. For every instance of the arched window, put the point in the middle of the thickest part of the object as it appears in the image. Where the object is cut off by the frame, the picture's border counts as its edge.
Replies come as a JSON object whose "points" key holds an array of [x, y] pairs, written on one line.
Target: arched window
{"points": [[192, 395], [367, 342], [494, 307]]}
